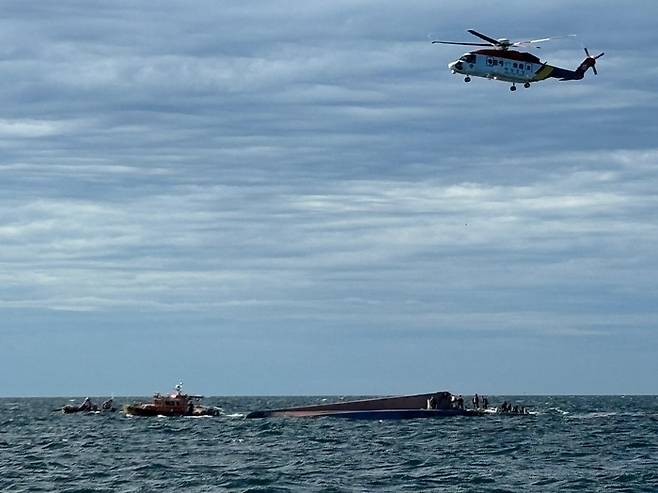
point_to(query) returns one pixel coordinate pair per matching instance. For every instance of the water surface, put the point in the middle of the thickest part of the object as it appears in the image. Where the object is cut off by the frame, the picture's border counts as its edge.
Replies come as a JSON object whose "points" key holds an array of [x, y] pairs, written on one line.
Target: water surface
{"points": [[572, 444]]}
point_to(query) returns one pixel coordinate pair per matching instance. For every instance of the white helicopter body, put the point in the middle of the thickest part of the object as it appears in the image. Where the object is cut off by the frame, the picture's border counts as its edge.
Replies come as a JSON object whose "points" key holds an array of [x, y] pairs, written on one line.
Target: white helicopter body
{"points": [[498, 62]]}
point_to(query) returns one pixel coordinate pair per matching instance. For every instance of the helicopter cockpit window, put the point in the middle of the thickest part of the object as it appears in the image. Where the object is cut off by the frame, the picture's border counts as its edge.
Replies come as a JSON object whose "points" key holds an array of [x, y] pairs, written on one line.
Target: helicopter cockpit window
{"points": [[469, 58]]}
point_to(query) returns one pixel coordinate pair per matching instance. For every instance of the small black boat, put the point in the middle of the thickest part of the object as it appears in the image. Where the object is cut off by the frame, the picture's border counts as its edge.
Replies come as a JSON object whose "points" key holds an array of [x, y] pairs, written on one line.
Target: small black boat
{"points": [[88, 406]]}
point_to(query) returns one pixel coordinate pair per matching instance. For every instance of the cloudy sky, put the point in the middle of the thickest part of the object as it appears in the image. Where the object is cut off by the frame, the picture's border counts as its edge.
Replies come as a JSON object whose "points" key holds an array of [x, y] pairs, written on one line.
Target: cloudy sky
{"points": [[297, 197]]}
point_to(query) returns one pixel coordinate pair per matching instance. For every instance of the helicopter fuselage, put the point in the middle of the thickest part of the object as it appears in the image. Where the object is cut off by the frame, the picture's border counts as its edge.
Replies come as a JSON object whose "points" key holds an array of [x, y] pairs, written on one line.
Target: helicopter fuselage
{"points": [[509, 66]]}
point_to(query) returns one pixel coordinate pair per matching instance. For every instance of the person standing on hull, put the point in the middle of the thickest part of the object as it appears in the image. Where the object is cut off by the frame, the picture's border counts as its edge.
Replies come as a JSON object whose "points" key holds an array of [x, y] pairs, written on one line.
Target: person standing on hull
{"points": [[476, 402], [86, 405]]}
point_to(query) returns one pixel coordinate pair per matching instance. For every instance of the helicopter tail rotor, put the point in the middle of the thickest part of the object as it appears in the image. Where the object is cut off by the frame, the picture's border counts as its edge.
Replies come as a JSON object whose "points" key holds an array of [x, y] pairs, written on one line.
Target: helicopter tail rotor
{"points": [[589, 62]]}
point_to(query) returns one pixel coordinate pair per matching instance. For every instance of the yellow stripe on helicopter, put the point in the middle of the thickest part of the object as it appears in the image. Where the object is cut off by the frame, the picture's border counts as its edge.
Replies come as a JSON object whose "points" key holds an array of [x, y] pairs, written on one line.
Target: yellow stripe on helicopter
{"points": [[543, 73]]}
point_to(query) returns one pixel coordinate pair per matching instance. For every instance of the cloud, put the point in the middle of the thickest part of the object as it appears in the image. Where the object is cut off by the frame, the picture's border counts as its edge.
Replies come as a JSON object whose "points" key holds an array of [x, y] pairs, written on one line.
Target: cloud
{"points": [[309, 168]]}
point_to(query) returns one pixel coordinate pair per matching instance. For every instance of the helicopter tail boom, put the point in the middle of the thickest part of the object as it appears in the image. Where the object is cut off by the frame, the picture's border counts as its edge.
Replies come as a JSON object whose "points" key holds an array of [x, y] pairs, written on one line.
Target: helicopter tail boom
{"points": [[587, 63], [547, 71]]}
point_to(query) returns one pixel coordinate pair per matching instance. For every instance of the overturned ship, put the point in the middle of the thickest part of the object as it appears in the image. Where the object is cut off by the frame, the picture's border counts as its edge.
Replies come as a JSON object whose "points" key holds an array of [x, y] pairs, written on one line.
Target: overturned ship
{"points": [[431, 405]]}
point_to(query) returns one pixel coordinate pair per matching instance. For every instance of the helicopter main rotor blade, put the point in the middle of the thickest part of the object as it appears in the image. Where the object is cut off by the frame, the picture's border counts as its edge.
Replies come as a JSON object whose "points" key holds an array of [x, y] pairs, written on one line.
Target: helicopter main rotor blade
{"points": [[494, 42], [533, 41], [459, 43]]}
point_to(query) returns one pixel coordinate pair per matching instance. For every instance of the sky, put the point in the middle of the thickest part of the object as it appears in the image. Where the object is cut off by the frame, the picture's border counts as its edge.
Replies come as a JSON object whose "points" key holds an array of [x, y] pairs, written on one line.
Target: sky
{"points": [[298, 197]]}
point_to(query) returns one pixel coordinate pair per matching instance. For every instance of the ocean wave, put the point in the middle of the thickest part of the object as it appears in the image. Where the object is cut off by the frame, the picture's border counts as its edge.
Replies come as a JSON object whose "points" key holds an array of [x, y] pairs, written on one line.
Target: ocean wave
{"points": [[605, 443]]}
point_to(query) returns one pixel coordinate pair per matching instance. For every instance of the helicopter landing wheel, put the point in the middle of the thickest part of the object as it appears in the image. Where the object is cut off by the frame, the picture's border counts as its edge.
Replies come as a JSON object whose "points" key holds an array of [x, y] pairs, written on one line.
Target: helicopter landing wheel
{"points": [[526, 85], [512, 88], [467, 79]]}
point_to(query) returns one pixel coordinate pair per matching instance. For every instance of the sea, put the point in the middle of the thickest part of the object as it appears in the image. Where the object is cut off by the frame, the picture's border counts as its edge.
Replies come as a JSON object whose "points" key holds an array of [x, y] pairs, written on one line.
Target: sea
{"points": [[569, 443]]}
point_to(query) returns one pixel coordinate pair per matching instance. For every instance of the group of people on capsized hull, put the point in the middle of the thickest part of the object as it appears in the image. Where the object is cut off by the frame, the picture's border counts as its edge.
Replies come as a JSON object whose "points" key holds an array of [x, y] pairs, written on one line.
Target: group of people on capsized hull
{"points": [[445, 400], [482, 402]]}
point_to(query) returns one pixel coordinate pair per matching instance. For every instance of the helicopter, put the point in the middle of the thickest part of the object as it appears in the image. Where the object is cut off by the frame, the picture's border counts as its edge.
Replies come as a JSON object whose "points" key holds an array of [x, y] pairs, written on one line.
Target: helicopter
{"points": [[499, 62]]}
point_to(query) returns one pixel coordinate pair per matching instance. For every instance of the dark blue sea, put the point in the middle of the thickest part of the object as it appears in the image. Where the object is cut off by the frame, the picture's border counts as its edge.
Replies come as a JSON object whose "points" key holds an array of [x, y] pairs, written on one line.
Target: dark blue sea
{"points": [[581, 443]]}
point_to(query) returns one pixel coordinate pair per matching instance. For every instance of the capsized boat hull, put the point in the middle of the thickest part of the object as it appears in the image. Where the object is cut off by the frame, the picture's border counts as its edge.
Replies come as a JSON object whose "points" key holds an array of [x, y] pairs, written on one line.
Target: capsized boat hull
{"points": [[378, 414], [397, 407]]}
